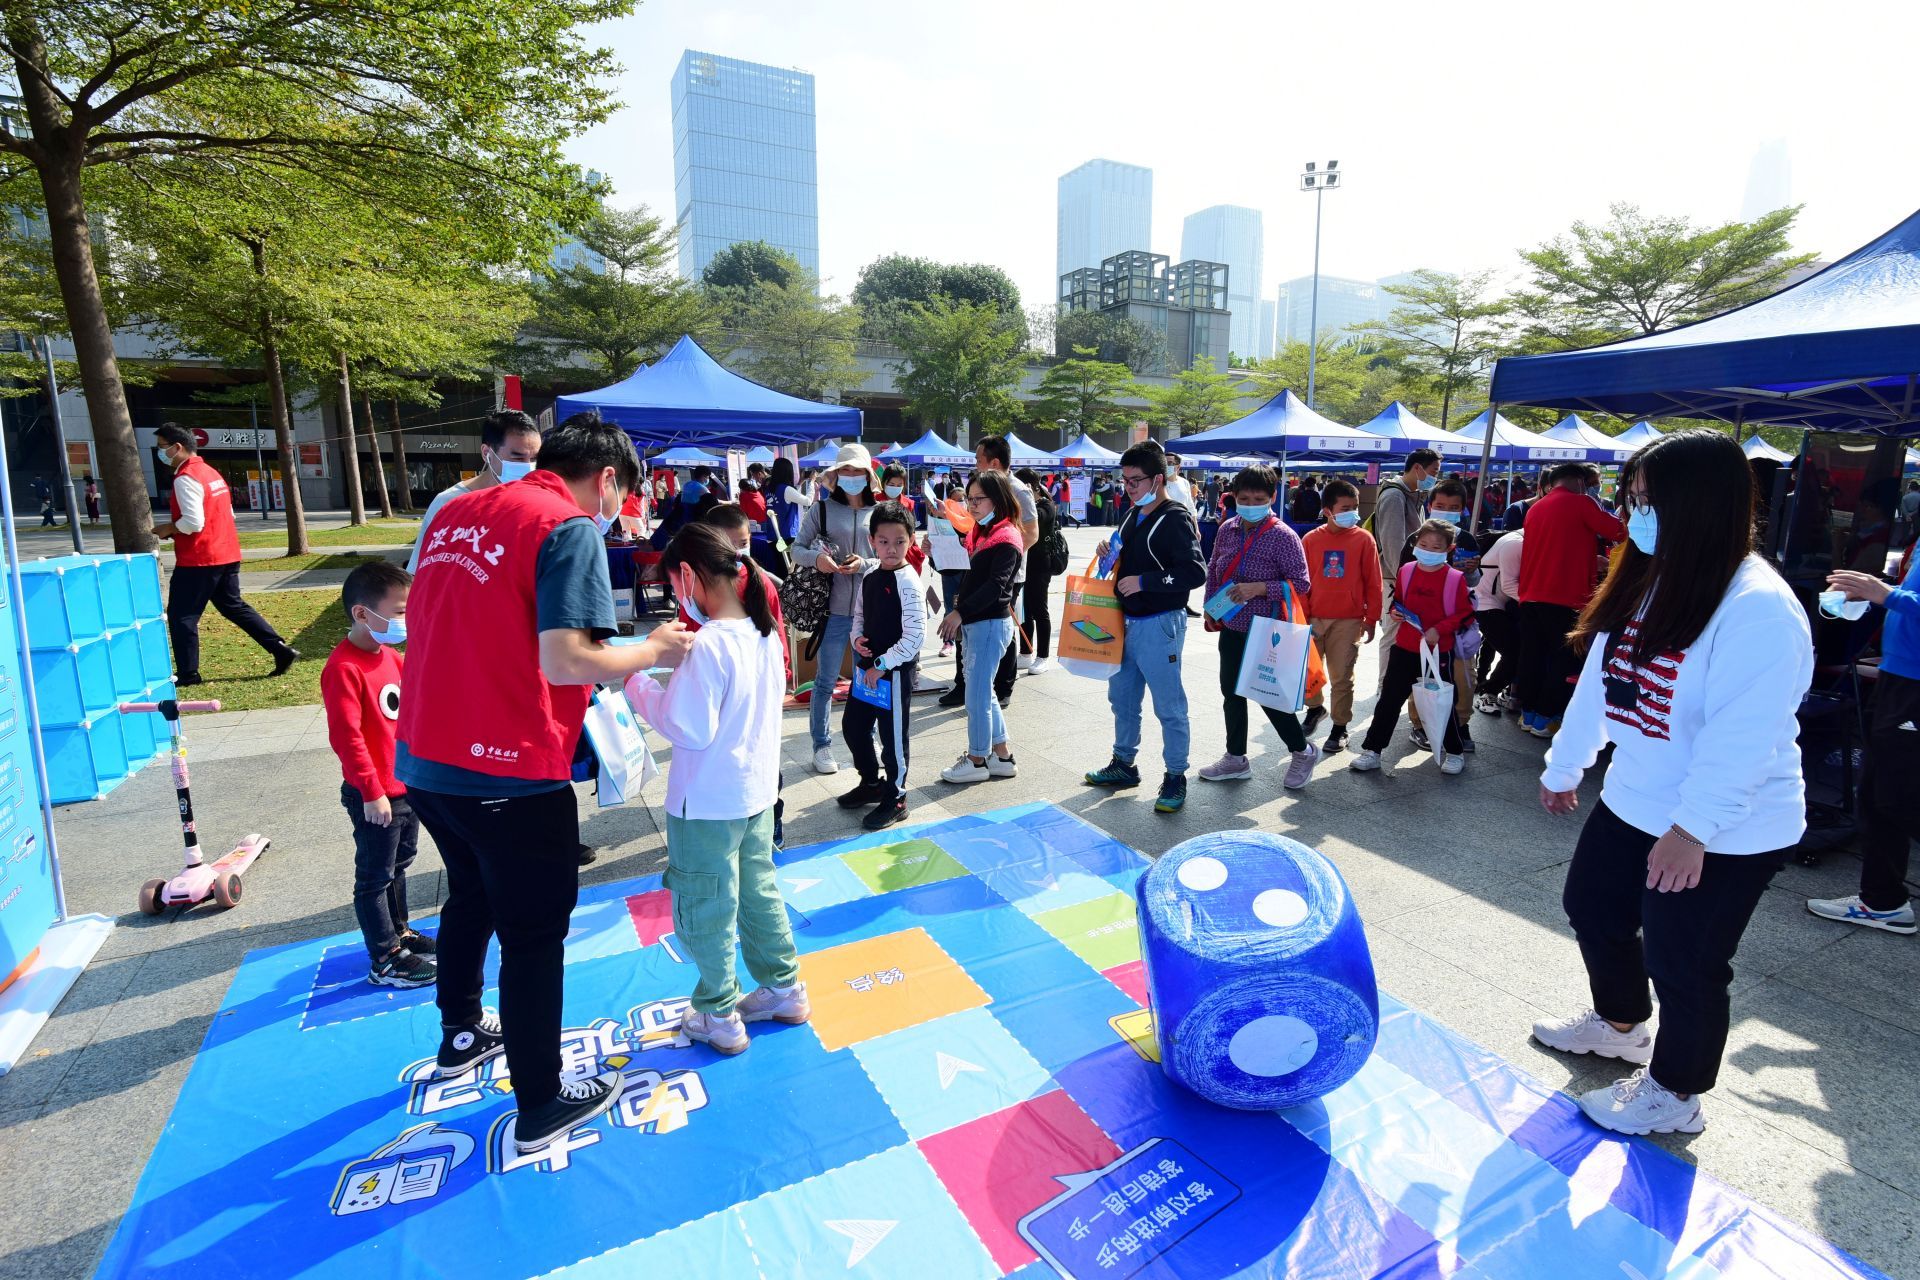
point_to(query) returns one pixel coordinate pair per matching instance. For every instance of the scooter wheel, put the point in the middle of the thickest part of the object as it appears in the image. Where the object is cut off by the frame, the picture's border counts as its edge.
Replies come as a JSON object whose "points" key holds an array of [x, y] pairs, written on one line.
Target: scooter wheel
{"points": [[226, 890], [152, 899]]}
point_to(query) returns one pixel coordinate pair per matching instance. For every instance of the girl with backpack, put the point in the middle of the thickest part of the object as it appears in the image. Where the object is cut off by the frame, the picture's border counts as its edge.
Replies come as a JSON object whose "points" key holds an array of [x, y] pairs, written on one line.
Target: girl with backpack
{"points": [[1047, 560], [1434, 605]]}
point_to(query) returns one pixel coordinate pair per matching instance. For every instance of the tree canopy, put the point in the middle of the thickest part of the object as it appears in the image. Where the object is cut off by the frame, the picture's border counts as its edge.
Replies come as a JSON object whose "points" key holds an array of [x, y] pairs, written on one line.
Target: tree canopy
{"points": [[1200, 398], [1083, 392], [1115, 338], [1444, 332], [890, 287], [798, 342], [959, 360], [748, 263]]}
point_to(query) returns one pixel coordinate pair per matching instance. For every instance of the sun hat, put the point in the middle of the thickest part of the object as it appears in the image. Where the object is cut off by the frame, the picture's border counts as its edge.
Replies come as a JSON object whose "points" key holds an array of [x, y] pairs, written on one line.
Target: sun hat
{"points": [[852, 455]]}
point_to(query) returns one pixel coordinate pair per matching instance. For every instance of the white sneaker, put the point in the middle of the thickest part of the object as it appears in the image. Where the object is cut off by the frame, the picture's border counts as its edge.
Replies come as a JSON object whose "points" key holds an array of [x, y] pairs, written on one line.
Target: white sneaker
{"points": [[1639, 1104], [1853, 911], [1228, 768], [771, 1004], [965, 770], [1452, 764], [1300, 769], [1508, 700], [1365, 761], [1023, 662], [1486, 704], [823, 761], [1588, 1032], [1001, 767], [1040, 667], [726, 1035]]}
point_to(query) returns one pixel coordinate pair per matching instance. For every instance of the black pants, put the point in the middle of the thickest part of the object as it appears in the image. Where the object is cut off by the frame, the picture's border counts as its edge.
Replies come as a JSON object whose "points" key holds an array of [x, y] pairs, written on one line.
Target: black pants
{"points": [[1002, 675], [1497, 658], [1684, 942], [1548, 666], [860, 721], [1396, 686], [1233, 648], [193, 588], [381, 856], [513, 871], [1892, 820], [1038, 639]]}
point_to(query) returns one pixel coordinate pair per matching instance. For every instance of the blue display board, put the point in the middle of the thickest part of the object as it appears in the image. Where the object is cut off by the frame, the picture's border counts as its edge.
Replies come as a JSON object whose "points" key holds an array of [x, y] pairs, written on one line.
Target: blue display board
{"points": [[27, 901], [977, 1095]]}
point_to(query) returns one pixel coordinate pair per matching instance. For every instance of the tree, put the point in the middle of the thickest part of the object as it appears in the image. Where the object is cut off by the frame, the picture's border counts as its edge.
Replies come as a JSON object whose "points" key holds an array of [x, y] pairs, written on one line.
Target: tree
{"points": [[1444, 332], [1083, 392], [799, 342], [1200, 397], [1637, 273], [1116, 338], [959, 361], [613, 318], [890, 287], [1352, 380], [484, 91], [747, 263]]}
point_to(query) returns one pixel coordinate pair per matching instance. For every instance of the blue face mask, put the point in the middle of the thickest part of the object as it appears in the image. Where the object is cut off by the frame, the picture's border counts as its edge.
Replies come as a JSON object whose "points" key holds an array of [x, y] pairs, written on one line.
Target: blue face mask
{"points": [[1836, 605], [509, 470], [985, 520], [1426, 484], [395, 633], [1643, 526], [1449, 517], [691, 607], [1254, 514], [1429, 559], [1347, 519], [851, 484], [895, 490]]}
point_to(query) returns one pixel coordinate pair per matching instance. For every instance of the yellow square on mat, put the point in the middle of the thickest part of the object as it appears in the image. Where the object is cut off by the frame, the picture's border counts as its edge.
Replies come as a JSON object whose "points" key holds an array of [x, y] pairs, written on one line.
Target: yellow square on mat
{"points": [[868, 988]]}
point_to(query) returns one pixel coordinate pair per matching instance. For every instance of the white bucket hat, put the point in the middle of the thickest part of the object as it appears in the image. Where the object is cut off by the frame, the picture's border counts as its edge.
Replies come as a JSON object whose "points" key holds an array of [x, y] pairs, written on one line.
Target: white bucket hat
{"points": [[852, 455]]}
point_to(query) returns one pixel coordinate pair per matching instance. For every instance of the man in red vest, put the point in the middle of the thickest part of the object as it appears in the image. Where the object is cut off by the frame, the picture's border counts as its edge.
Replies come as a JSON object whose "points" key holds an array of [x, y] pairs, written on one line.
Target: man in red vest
{"points": [[206, 559], [509, 610]]}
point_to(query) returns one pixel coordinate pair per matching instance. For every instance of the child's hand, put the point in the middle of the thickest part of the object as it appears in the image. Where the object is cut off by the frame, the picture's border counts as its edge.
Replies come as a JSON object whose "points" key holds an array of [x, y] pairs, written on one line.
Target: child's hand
{"points": [[861, 647], [1367, 638], [871, 676], [1433, 637], [379, 812]]}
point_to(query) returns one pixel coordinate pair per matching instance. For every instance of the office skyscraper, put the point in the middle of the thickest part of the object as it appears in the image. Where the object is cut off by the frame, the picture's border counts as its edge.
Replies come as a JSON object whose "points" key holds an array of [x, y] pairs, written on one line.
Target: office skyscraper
{"points": [[743, 159], [1343, 304], [1105, 208], [1231, 234]]}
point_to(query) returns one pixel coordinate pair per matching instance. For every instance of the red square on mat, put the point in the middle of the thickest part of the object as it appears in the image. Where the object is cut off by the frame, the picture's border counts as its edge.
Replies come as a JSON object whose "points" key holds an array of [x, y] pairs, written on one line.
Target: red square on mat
{"points": [[652, 914], [1131, 978], [1003, 1166]]}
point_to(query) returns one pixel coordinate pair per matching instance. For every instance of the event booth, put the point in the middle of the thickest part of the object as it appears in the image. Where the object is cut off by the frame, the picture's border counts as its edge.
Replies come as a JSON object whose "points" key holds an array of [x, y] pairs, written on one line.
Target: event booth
{"points": [[1286, 428], [1600, 447]]}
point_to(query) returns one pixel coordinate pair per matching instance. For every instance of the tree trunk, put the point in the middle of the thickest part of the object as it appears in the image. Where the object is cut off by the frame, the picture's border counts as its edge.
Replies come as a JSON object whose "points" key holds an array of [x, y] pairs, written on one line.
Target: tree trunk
{"points": [[379, 463], [350, 448], [400, 456], [1446, 406], [295, 506]]}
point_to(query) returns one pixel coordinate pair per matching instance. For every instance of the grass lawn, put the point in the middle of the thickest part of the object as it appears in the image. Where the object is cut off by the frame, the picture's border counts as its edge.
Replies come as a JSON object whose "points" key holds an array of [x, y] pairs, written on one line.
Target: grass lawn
{"points": [[315, 560], [377, 533], [237, 670]]}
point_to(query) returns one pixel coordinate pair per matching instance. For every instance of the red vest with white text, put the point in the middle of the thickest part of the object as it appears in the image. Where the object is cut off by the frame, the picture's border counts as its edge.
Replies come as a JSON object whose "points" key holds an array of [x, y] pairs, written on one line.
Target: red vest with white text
{"points": [[475, 695], [218, 541]]}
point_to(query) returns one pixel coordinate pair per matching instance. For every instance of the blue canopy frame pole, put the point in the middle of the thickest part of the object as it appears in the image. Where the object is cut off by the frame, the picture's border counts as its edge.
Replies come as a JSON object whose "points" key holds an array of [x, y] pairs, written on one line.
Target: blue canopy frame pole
{"points": [[1486, 460]]}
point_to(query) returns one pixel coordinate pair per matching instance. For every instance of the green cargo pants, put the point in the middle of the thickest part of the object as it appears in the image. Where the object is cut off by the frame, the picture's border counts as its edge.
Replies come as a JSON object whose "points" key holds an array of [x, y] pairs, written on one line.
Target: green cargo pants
{"points": [[721, 874]]}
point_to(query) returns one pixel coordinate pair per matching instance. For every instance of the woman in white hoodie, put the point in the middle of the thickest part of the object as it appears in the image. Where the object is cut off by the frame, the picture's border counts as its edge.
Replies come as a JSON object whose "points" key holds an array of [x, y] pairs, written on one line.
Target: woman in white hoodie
{"points": [[1697, 658]]}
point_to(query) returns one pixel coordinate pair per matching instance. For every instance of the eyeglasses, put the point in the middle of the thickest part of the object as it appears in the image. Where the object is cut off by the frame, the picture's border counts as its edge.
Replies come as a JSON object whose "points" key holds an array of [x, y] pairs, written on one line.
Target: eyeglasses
{"points": [[1134, 482], [978, 497]]}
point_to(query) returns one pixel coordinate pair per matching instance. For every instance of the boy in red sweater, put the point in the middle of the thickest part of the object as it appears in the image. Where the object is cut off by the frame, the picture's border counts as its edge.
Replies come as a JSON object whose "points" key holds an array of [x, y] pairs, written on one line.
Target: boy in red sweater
{"points": [[360, 687], [1343, 570], [1434, 603]]}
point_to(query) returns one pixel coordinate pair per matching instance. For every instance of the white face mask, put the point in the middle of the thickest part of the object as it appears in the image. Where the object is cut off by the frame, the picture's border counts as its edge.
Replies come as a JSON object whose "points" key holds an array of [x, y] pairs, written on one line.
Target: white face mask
{"points": [[1836, 605], [506, 470], [601, 520]]}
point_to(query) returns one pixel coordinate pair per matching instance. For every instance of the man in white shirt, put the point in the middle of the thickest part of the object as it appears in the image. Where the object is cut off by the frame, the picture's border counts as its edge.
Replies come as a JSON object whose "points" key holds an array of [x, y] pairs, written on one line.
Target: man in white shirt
{"points": [[509, 446], [1179, 492]]}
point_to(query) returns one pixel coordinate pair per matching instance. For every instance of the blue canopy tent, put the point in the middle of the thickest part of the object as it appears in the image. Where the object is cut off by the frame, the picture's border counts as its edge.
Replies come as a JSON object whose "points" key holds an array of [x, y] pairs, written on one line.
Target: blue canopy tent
{"points": [[686, 397], [1758, 450], [1397, 422], [762, 455], [686, 456], [1025, 455], [821, 457], [929, 451], [1285, 427], [1516, 444], [1600, 447], [1639, 435], [1087, 452]]}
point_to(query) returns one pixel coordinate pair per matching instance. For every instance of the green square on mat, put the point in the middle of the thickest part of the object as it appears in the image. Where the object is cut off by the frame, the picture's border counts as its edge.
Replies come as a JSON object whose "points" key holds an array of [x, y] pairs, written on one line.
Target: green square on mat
{"points": [[1103, 932], [903, 865]]}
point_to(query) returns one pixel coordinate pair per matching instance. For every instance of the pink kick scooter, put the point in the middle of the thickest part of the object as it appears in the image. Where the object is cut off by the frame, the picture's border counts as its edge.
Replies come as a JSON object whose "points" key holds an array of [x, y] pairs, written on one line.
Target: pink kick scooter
{"points": [[198, 880]]}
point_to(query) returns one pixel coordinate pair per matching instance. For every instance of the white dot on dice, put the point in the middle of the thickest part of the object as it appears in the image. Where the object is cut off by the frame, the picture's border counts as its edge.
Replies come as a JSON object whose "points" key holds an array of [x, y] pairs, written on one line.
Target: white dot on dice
{"points": [[1203, 873], [1275, 1045], [1281, 908]]}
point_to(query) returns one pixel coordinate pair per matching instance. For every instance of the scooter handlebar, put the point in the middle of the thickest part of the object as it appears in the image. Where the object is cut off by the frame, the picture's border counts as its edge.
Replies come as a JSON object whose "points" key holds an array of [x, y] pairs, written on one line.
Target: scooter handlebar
{"points": [[184, 707]]}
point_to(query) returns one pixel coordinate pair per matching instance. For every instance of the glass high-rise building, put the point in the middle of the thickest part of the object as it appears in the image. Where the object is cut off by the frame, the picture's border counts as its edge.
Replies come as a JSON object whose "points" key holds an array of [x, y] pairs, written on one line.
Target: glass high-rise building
{"points": [[743, 159], [1105, 208], [1231, 234], [1344, 304]]}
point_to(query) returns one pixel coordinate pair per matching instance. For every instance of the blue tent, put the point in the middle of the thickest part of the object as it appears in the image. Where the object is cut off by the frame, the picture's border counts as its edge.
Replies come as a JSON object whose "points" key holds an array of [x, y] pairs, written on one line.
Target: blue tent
{"points": [[1600, 447], [929, 450], [1285, 426], [762, 455], [1087, 452], [1025, 455], [821, 457], [1758, 450], [1517, 444], [1638, 435], [1838, 351], [686, 456], [1397, 422], [686, 397]]}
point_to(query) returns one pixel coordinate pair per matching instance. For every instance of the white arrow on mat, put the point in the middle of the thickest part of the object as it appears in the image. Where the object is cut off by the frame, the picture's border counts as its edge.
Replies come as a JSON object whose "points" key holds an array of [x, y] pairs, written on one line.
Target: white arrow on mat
{"points": [[951, 1066], [866, 1234], [801, 886]]}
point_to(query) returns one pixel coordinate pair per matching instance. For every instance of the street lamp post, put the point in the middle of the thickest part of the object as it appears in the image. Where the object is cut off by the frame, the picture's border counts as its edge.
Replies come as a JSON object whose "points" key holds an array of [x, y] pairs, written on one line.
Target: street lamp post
{"points": [[1318, 182], [60, 444]]}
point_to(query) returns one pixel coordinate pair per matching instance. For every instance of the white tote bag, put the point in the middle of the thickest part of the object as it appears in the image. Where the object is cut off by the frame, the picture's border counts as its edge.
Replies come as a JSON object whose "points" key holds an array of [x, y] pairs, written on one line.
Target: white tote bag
{"points": [[626, 765], [1432, 697], [1274, 671]]}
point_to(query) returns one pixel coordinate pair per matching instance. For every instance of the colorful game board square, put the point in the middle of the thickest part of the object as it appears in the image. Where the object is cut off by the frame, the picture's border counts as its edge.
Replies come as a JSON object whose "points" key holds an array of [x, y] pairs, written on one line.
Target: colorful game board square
{"points": [[601, 929], [652, 915], [883, 1216], [903, 865], [714, 1245], [1003, 1166], [1131, 978], [951, 1070], [868, 988], [1025, 871], [1087, 845], [819, 883], [341, 992], [1104, 932]]}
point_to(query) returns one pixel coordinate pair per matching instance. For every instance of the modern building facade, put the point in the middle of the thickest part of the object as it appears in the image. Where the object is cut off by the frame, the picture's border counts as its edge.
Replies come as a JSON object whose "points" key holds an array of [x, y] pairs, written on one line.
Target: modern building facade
{"points": [[743, 159], [1185, 303], [1105, 208], [1344, 304], [1233, 235]]}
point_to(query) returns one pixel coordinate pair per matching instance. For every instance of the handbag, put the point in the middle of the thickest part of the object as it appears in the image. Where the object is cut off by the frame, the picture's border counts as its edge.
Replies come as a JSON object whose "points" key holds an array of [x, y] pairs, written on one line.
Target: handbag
{"points": [[1432, 697], [1093, 631], [1274, 669], [626, 765]]}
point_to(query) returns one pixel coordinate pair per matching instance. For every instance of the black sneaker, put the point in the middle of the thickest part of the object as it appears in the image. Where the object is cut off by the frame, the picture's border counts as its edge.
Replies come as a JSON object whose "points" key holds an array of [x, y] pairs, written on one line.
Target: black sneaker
{"points": [[418, 943], [586, 854], [1336, 740], [285, 659], [954, 697], [1314, 716], [1421, 742], [465, 1047], [1117, 773], [886, 813], [579, 1102], [1005, 700], [865, 794], [1173, 794], [403, 969]]}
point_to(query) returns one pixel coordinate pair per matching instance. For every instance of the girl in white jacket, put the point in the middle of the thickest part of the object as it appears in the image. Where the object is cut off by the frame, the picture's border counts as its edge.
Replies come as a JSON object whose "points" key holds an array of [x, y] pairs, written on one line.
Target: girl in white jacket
{"points": [[1697, 656]]}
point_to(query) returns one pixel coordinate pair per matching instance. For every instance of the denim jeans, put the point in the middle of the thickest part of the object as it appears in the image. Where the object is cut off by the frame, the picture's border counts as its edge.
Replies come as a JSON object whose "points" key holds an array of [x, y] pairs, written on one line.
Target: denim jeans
{"points": [[985, 643], [834, 639], [1151, 662]]}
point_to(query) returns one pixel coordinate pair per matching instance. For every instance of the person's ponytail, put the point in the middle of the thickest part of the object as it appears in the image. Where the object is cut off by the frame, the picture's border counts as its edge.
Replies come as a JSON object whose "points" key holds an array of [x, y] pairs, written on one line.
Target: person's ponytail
{"points": [[708, 551], [754, 597]]}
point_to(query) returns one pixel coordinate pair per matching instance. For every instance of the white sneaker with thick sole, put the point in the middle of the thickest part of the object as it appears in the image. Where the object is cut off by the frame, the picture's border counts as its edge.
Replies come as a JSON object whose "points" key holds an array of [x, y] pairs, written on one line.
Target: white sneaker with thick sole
{"points": [[823, 761], [1588, 1032], [1851, 910], [1300, 768], [1040, 667], [1001, 766], [1639, 1104], [725, 1034], [1451, 765], [1486, 704], [771, 1004], [964, 770], [1365, 761], [1228, 768]]}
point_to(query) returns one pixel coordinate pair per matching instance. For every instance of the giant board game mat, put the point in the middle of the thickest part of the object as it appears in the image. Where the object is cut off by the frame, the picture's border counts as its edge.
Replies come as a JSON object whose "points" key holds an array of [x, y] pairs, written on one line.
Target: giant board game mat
{"points": [[976, 1096]]}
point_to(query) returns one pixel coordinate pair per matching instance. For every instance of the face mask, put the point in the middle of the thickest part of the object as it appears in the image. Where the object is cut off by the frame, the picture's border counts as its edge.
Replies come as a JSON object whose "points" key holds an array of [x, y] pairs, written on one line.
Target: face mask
{"points": [[1836, 605], [395, 633], [895, 490], [1430, 559], [1347, 519], [690, 606], [1254, 515], [1427, 483], [506, 470], [1643, 526], [601, 520], [851, 484], [985, 520], [1450, 517]]}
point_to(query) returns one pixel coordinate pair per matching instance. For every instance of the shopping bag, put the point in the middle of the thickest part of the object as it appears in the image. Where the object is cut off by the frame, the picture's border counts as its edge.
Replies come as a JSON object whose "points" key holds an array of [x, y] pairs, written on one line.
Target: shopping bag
{"points": [[880, 694], [1273, 672], [626, 765], [1093, 632], [1432, 697]]}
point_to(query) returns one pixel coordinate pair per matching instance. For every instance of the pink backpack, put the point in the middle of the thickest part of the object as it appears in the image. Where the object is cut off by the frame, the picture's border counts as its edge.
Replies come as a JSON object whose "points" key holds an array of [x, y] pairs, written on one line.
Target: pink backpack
{"points": [[1466, 641]]}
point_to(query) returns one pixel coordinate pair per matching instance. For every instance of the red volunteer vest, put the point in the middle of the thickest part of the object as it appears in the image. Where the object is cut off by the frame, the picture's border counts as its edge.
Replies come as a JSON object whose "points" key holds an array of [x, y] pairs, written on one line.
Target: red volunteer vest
{"points": [[475, 695], [218, 541]]}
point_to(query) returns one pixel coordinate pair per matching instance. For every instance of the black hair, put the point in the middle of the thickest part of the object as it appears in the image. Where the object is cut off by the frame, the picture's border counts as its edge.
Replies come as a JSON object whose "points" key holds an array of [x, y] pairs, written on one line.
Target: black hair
{"points": [[890, 512], [782, 473], [1564, 472], [1030, 478], [584, 444], [1453, 488], [369, 584], [752, 467], [702, 548], [997, 488], [996, 449], [726, 515], [702, 474], [891, 470], [1258, 478], [1334, 490], [498, 425], [1149, 459], [1701, 489], [173, 433], [1423, 458], [1439, 528]]}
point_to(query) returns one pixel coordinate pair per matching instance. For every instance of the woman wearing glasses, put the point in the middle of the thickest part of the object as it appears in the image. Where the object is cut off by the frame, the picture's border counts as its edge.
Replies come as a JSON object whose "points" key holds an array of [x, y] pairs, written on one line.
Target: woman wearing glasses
{"points": [[984, 607]]}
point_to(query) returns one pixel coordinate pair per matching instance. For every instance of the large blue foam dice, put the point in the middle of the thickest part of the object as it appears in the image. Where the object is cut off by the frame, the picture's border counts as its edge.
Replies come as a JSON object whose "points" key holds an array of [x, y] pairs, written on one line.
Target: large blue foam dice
{"points": [[1257, 964]]}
